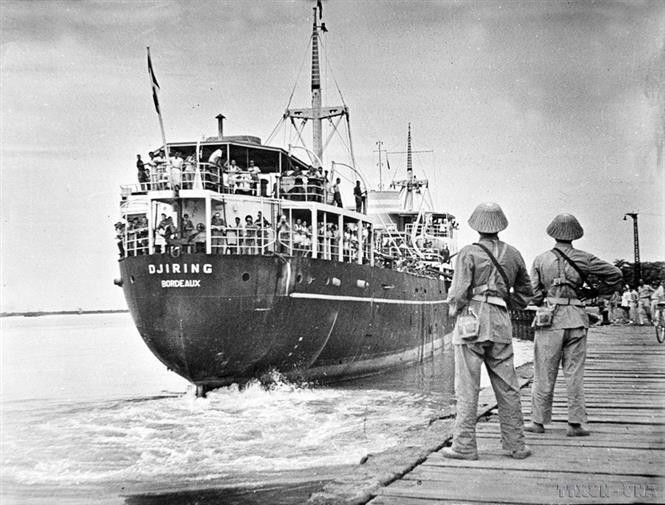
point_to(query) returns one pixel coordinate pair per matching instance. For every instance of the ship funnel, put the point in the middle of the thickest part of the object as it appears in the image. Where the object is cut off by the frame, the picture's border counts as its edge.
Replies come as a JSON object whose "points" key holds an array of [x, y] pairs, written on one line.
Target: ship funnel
{"points": [[220, 125]]}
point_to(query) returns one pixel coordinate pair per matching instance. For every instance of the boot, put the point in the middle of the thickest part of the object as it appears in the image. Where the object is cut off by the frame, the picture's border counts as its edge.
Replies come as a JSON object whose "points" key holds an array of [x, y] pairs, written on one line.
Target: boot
{"points": [[522, 453], [576, 430], [534, 427], [447, 452]]}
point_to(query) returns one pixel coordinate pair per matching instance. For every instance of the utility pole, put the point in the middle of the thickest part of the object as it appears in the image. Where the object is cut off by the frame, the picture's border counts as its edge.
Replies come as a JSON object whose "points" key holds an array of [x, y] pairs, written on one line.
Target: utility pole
{"points": [[637, 274]]}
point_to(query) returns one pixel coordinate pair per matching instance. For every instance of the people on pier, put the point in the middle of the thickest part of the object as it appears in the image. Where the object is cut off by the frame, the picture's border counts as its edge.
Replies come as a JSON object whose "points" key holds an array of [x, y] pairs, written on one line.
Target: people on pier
{"points": [[625, 303], [644, 291], [557, 276], [481, 293]]}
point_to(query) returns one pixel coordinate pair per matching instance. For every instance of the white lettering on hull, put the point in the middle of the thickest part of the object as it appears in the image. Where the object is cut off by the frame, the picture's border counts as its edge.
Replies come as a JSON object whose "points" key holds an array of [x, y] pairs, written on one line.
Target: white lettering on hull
{"points": [[182, 283], [177, 268]]}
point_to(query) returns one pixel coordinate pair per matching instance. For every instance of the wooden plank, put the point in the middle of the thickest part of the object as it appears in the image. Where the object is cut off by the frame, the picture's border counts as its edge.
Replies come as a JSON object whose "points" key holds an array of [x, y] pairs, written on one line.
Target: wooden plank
{"points": [[555, 457], [599, 430], [502, 486]]}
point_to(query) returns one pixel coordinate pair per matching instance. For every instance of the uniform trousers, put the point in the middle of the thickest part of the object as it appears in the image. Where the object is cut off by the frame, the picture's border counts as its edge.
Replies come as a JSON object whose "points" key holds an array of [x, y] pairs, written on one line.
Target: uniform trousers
{"points": [[498, 359], [551, 347]]}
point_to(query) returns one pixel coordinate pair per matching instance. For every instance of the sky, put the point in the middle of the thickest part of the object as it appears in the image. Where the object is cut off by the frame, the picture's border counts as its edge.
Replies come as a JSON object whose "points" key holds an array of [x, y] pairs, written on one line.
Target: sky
{"points": [[542, 107]]}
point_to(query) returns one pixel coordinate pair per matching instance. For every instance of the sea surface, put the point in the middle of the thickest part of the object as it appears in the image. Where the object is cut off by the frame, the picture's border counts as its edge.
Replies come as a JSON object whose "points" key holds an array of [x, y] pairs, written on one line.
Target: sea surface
{"points": [[89, 415]]}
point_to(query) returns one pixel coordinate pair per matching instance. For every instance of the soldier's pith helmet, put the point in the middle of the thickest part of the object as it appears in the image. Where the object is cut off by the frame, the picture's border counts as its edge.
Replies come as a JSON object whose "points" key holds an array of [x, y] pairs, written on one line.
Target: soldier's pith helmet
{"points": [[488, 218], [565, 227]]}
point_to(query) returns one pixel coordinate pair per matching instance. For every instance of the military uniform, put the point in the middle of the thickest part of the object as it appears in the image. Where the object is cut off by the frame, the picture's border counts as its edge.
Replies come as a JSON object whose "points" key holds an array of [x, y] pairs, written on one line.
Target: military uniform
{"points": [[478, 286], [556, 283]]}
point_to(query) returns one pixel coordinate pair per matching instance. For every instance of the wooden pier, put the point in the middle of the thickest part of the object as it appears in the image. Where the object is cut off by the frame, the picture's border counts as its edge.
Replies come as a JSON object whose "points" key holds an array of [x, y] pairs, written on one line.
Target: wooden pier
{"points": [[622, 461]]}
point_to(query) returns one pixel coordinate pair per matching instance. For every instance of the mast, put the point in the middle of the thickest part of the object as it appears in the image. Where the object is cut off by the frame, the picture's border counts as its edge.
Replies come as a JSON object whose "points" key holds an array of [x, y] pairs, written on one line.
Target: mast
{"points": [[317, 112], [408, 203], [410, 184], [317, 142]]}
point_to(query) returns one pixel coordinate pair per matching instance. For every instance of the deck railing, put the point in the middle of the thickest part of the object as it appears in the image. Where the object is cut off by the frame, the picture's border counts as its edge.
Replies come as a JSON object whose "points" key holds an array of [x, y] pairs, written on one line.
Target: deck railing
{"points": [[251, 241]]}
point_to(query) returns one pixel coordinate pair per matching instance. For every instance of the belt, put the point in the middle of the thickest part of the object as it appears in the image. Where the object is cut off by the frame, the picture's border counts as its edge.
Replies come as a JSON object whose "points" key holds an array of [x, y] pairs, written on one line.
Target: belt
{"points": [[493, 300], [564, 301]]}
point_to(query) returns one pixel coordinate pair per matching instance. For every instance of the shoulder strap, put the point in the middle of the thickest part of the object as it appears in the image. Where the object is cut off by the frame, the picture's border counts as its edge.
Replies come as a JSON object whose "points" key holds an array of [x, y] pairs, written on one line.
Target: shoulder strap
{"points": [[499, 268], [572, 264]]}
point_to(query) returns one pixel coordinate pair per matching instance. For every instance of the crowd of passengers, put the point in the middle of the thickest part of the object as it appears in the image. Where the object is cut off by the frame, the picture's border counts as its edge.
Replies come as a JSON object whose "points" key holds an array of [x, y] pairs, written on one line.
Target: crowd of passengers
{"points": [[253, 236], [223, 176]]}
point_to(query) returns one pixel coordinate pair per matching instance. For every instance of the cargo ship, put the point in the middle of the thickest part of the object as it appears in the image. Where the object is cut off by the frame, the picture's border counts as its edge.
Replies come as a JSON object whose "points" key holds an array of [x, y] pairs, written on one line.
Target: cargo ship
{"points": [[237, 258]]}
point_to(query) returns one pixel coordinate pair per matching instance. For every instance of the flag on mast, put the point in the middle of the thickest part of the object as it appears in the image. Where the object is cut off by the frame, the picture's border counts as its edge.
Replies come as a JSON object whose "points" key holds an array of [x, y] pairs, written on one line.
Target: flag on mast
{"points": [[155, 88], [153, 83]]}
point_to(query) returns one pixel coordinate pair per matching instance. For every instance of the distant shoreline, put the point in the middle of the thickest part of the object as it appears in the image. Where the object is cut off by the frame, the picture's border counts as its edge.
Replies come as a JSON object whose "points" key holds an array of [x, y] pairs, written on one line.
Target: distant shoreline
{"points": [[37, 313]]}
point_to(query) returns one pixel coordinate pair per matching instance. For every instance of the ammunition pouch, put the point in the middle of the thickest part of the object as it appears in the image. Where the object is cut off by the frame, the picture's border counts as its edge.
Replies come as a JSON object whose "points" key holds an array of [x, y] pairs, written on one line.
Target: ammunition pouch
{"points": [[468, 325]]}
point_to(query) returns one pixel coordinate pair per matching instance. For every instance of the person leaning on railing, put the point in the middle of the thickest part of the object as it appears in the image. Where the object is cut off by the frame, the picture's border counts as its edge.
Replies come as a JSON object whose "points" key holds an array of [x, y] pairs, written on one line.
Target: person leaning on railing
{"points": [[218, 234], [283, 236], [199, 238]]}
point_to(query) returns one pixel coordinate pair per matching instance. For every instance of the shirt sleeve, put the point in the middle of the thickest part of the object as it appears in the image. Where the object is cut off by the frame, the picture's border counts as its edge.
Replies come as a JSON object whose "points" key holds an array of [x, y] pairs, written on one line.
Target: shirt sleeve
{"points": [[539, 290], [522, 290], [610, 276], [458, 296]]}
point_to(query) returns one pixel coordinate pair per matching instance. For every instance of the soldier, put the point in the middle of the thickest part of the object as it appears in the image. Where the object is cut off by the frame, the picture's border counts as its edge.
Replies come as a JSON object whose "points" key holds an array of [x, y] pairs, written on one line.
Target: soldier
{"points": [[482, 290], [557, 275]]}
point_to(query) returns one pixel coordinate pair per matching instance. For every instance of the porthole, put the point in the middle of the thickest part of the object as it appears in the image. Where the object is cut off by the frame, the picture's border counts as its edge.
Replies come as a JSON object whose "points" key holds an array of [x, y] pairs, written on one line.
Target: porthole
{"points": [[131, 279], [299, 278], [245, 277]]}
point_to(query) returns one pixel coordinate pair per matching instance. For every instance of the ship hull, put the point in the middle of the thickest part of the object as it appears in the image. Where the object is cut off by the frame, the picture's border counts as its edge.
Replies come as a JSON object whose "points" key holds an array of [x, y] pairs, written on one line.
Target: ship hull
{"points": [[219, 319]]}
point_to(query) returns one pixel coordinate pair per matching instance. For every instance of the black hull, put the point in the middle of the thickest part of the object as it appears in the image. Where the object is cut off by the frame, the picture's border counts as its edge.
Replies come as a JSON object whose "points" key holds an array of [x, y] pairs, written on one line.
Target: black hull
{"points": [[221, 319]]}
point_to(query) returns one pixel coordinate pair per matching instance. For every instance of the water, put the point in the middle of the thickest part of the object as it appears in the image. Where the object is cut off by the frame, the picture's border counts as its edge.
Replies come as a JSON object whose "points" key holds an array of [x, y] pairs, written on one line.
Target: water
{"points": [[90, 415]]}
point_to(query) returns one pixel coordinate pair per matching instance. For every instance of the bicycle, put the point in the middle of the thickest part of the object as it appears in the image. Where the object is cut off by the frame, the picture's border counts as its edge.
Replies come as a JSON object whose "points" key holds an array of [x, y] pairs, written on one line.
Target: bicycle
{"points": [[659, 321]]}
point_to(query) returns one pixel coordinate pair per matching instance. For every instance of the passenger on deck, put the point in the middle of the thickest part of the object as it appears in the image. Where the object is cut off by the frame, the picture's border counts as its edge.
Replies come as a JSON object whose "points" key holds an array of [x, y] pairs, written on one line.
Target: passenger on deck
{"points": [[187, 226], [120, 237], [218, 233], [216, 158], [556, 283], [160, 234], [249, 242], [175, 170], [283, 236], [142, 172], [297, 235], [253, 170], [359, 195], [233, 237], [199, 238], [337, 196], [306, 240], [142, 235], [233, 168]]}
